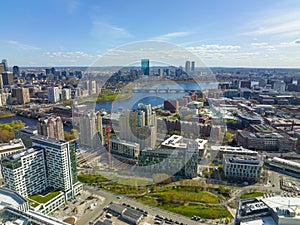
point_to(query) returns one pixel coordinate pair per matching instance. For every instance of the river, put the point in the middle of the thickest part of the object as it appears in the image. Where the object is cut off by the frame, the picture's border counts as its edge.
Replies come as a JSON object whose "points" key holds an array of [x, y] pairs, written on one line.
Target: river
{"points": [[152, 98]]}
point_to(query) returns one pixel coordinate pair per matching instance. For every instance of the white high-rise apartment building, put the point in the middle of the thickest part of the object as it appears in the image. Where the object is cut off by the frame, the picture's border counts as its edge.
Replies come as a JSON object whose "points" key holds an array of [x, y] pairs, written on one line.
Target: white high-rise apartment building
{"points": [[51, 163], [53, 94], [25, 172]]}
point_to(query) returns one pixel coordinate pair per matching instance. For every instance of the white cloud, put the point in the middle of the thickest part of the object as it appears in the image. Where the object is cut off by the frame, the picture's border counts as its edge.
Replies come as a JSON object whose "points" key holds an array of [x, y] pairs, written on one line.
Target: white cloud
{"points": [[263, 45], [68, 55], [169, 36], [258, 44], [280, 22], [22, 46], [107, 32], [214, 48]]}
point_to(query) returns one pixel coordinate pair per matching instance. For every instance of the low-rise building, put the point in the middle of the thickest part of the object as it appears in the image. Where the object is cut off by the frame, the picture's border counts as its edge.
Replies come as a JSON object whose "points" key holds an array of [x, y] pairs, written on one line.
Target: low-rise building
{"points": [[275, 210], [14, 209], [285, 166], [242, 167], [179, 161], [125, 150], [266, 141], [219, 151]]}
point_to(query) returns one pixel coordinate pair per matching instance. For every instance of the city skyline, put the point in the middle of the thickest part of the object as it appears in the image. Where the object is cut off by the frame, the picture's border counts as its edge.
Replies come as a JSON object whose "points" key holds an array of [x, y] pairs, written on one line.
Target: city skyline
{"points": [[78, 33]]}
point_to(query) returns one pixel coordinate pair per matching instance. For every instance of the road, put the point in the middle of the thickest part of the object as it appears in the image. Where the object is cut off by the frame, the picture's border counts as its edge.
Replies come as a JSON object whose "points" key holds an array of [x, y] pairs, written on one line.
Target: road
{"points": [[110, 197]]}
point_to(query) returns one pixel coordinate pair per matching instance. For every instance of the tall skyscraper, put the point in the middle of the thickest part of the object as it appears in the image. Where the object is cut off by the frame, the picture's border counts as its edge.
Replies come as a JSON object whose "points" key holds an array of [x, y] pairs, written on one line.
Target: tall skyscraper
{"points": [[16, 71], [90, 128], [139, 126], [193, 66], [145, 65], [2, 68], [51, 127], [187, 66], [7, 78], [4, 61], [53, 94]]}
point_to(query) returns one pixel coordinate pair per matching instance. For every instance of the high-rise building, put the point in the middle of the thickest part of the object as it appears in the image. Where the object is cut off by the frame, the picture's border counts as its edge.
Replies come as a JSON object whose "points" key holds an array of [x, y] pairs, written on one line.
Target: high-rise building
{"points": [[60, 160], [145, 66], [22, 95], [90, 128], [4, 61], [25, 172], [160, 72], [49, 165], [193, 66], [16, 71], [25, 135], [66, 93], [7, 78], [92, 87], [53, 94], [139, 126], [51, 127], [2, 68], [187, 66]]}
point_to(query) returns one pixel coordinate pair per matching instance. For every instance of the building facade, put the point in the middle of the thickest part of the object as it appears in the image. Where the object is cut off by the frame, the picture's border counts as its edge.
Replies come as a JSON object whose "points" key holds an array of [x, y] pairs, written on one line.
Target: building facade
{"points": [[126, 150], [266, 141], [90, 128], [60, 157], [25, 172], [53, 94], [51, 127], [139, 126], [242, 167]]}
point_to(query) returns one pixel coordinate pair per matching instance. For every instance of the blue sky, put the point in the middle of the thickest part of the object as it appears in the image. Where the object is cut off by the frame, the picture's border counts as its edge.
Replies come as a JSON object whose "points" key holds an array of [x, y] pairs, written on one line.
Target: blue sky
{"points": [[222, 33]]}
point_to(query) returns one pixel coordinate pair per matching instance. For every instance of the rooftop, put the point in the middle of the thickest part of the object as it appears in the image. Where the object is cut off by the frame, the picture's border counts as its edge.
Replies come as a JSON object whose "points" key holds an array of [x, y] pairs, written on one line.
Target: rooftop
{"points": [[286, 162], [242, 159], [175, 141], [268, 220], [11, 198], [284, 206], [48, 139], [16, 144], [133, 144]]}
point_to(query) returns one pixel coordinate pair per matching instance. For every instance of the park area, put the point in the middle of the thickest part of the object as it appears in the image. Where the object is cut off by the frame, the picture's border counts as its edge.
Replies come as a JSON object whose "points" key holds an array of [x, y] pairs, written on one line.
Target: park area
{"points": [[185, 197]]}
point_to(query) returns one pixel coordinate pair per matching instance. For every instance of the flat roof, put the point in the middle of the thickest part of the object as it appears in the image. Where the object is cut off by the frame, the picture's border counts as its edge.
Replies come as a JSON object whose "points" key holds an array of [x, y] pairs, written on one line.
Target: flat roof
{"points": [[18, 155], [262, 221], [286, 162], [174, 141], [279, 202], [48, 139], [242, 159], [13, 146], [10, 197]]}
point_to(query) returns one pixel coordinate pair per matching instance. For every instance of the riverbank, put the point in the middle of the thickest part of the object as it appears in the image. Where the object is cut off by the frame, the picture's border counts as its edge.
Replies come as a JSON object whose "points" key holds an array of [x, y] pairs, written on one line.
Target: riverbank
{"points": [[109, 97]]}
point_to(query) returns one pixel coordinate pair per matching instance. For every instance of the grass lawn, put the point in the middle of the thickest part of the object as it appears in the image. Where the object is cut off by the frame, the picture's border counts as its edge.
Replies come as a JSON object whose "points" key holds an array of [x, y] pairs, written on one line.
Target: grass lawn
{"points": [[43, 199], [32, 203], [254, 194], [183, 195], [189, 210], [91, 178], [202, 211]]}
